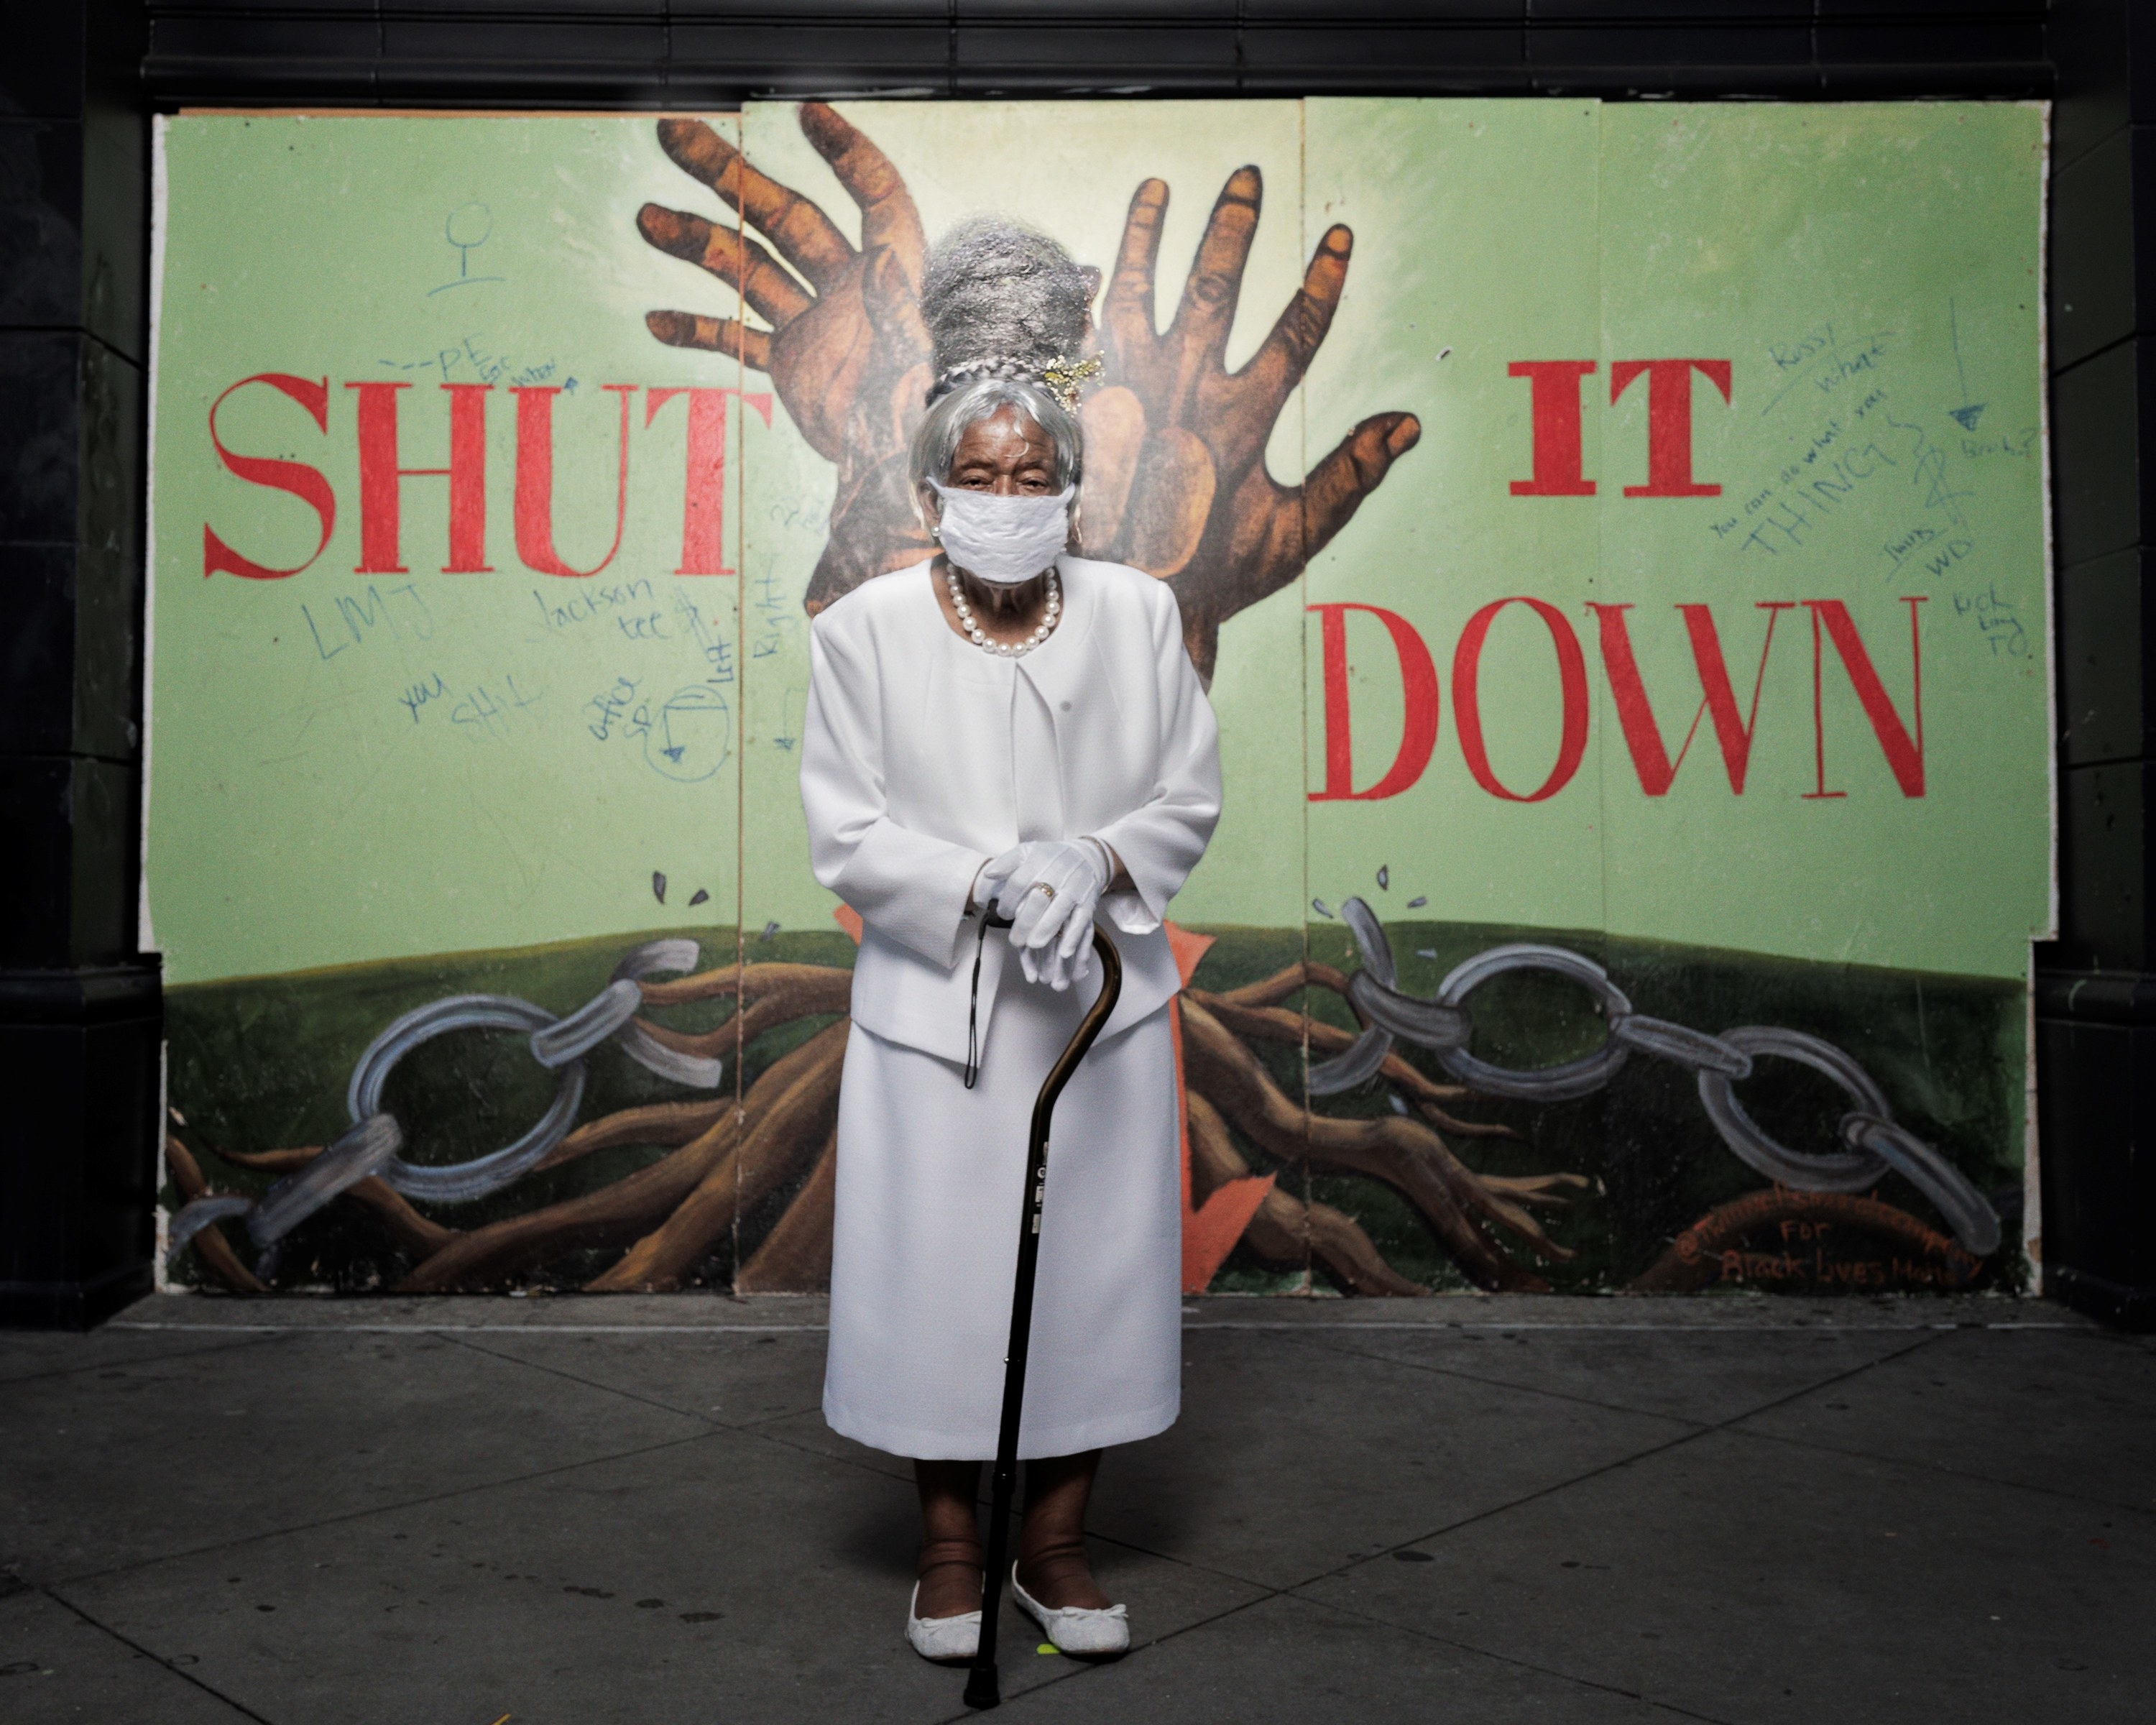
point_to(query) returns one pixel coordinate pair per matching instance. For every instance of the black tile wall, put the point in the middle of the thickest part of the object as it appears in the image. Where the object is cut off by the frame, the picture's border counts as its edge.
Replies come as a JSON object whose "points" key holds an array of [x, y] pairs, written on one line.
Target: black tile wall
{"points": [[78, 1146], [2099, 1097], [2106, 642], [2097, 443], [2104, 865], [2093, 299], [38, 648]]}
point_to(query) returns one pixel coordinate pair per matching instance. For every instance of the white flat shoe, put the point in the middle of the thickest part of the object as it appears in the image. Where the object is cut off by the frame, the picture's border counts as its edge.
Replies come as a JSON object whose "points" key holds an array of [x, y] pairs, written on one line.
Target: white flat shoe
{"points": [[1079, 1629], [942, 1637]]}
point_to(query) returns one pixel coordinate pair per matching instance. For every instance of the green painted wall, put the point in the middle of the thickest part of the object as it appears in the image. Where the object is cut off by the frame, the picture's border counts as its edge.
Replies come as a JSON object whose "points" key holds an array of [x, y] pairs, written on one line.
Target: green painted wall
{"points": [[360, 775]]}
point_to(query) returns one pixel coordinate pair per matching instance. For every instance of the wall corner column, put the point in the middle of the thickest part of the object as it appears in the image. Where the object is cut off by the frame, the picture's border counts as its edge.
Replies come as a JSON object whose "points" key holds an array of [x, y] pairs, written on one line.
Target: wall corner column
{"points": [[80, 1017]]}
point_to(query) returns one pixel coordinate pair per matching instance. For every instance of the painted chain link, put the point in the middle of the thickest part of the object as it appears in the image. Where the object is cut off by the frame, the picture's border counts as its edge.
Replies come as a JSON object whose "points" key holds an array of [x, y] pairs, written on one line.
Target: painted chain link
{"points": [[1872, 1142], [370, 1146]]}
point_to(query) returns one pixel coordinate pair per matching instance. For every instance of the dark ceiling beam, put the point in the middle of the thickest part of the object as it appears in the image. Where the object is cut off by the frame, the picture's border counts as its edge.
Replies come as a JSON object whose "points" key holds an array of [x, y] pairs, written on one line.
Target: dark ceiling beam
{"points": [[720, 53]]}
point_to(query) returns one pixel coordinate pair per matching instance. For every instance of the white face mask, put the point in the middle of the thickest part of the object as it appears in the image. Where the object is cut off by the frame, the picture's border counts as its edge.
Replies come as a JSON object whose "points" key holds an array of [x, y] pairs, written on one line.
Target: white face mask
{"points": [[1003, 540]]}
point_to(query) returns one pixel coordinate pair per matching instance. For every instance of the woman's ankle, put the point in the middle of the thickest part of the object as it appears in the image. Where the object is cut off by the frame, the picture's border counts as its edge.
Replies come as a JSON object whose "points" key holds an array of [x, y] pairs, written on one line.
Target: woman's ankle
{"points": [[1060, 1578], [949, 1591], [950, 1573]]}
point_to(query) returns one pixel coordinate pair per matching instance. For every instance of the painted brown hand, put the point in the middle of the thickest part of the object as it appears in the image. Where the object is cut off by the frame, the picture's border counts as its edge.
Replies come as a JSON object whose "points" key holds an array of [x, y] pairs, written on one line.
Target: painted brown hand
{"points": [[847, 353], [1176, 481]]}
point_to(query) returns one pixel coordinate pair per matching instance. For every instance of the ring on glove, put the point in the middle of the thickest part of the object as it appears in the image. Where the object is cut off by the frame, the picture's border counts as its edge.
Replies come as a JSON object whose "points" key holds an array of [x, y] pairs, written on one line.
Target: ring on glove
{"points": [[1043, 886]]}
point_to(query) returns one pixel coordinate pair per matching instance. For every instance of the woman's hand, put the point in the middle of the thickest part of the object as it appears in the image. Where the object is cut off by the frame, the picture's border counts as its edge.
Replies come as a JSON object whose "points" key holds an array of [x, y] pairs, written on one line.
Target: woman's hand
{"points": [[1049, 889]]}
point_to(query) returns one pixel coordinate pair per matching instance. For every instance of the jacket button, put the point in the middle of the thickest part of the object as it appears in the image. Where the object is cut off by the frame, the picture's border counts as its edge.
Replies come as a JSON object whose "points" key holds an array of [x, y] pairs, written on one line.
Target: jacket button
{"points": [[1066, 706]]}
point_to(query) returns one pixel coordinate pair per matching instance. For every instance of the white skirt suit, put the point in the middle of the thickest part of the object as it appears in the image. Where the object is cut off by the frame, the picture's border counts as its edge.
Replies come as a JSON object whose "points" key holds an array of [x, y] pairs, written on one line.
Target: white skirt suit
{"points": [[922, 756]]}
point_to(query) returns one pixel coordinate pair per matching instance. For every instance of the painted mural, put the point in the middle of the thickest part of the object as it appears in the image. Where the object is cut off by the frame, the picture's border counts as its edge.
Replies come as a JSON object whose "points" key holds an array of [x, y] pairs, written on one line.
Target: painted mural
{"points": [[1614, 537]]}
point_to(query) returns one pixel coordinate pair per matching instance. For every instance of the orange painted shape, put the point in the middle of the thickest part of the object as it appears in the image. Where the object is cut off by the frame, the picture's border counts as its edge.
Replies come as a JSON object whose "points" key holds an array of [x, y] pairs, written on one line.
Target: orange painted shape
{"points": [[1188, 949], [850, 919], [1209, 1234]]}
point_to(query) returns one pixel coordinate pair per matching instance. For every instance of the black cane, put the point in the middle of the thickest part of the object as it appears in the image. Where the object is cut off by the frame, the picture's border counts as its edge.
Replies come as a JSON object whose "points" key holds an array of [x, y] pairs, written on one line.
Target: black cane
{"points": [[981, 1689]]}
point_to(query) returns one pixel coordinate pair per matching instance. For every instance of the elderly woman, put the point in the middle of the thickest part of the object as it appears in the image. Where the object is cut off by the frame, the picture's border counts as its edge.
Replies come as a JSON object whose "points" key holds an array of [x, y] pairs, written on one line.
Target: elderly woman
{"points": [[1005, 725]]}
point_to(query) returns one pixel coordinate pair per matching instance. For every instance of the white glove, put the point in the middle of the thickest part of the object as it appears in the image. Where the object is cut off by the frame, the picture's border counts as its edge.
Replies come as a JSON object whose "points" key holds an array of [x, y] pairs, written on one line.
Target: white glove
{"points": [[1050, 888]]}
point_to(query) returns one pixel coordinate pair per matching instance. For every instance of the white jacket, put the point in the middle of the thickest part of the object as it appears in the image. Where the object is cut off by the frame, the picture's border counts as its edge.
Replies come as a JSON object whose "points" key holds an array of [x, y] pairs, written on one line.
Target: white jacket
{"points": [[907, 780]]}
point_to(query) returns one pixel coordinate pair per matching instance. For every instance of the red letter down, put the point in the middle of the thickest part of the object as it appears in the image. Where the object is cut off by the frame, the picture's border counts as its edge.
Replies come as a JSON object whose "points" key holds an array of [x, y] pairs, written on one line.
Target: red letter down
{"points": [[1418, 696], [1642, 737], [302, 481], [535, 479], [1905, 756], [1669, 421], [380, 517], [1572, 685], [704, 492], [1555, 403]]}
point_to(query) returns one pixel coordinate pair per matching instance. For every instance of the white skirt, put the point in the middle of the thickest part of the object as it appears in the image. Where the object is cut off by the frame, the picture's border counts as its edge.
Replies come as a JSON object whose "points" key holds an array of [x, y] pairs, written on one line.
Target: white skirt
{"points": [[930, 1180]]}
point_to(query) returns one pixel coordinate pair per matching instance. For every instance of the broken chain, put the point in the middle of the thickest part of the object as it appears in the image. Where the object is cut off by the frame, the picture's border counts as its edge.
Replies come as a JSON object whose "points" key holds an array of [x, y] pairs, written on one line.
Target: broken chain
{"points": [[370, 1147], [1872, 1142]]}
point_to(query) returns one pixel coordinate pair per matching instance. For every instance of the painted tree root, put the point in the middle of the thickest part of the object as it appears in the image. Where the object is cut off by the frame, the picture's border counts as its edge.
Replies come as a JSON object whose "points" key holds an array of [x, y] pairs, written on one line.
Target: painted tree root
{"points": [[725, 1159], [1712, 1252]]}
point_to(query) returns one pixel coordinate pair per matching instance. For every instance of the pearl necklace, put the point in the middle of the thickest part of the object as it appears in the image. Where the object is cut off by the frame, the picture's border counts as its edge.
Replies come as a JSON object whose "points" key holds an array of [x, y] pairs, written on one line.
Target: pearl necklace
{"points": [[1005, 649]]}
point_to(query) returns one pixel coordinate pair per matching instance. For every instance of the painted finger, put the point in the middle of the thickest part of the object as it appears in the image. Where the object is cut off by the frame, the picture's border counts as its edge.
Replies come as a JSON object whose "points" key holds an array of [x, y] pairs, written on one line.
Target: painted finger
{"points": [[1127, 311], [1170, 503], [888, 217], [1114, 423], [725, 254], [698, 151], [1286, 354], [892, 303], [714, 335], [804, 234], [1030, 963], [1337, 484], [1216, 276]]}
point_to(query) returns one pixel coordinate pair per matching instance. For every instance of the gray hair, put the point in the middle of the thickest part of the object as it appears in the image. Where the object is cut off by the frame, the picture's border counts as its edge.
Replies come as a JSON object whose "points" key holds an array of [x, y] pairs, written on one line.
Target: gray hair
{"points": [[997, 296], [935, 443]]}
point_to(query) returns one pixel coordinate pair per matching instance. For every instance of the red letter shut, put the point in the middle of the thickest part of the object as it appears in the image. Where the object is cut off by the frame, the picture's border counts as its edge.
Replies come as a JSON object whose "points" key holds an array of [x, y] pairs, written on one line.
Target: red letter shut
{"points": [[535, 479], [1555, 403], [1467, 704], [1905, 756], [1669, 421], [1651, 760], [301, 480], [1418, 694], [703, 501], [380, 515]]}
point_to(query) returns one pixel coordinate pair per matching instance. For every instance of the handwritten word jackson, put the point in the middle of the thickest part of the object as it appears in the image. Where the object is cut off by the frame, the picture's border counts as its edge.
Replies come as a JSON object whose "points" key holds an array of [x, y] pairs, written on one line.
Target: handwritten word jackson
{"points": [[383, 476]]}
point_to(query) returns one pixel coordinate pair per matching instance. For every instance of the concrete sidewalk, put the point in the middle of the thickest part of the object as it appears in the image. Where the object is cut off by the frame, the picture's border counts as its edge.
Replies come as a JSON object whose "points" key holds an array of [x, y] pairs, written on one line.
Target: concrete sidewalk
{"points": [[578, 1512]]}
